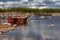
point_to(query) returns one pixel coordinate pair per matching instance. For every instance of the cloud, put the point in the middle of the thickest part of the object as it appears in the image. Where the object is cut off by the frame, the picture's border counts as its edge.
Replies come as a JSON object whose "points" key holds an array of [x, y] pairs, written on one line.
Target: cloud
{"points": [[9, 4], [1, 3], [23, 3]]}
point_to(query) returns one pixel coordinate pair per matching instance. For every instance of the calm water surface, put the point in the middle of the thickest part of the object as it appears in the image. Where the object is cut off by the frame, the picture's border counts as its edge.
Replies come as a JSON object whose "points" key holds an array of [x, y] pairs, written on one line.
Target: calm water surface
{"points": [[36, 30]]}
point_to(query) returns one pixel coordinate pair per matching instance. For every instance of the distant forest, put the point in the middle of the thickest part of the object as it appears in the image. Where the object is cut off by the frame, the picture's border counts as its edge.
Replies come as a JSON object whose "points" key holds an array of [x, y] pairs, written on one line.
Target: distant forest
{"points": [[46, 10]]}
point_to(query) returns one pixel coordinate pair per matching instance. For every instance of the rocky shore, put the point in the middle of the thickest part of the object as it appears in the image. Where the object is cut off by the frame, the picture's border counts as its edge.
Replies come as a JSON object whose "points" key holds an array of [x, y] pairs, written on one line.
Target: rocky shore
{"points": [[4, 28], [15, 14]]}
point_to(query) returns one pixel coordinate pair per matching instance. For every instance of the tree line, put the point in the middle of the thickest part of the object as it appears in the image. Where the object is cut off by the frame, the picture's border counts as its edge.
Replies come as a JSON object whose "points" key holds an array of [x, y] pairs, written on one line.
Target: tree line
{"points": [[46, 10]]}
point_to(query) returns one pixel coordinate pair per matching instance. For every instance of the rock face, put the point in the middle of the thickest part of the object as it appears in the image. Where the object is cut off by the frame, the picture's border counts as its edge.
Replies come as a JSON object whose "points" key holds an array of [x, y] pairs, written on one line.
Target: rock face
{"points": [[6, 28], [18, 21], [14, 17]]}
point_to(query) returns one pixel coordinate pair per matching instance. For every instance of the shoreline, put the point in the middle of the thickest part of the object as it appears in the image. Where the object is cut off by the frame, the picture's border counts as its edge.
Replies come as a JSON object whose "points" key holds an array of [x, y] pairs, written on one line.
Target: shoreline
{"points": [[27, 13]]}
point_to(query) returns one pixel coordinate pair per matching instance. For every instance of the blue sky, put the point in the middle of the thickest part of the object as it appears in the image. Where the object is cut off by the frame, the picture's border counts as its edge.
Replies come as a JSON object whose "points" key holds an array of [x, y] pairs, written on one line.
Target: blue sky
{"points": [[18, 3], [23, 0]]}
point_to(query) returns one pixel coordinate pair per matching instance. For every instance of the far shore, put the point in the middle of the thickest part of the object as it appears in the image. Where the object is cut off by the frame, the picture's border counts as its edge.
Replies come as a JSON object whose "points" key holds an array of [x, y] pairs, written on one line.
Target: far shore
{"points": [[27, 13], [35, 11]]}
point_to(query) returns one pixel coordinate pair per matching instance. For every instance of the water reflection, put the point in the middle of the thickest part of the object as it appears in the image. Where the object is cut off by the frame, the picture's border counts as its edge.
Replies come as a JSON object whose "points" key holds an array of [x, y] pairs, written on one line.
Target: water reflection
{"points": [[37, 30]]}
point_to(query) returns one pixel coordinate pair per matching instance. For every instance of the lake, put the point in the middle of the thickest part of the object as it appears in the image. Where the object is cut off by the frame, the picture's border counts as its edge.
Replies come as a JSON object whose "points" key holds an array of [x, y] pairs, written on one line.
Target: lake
{"points": [[37, 29]]}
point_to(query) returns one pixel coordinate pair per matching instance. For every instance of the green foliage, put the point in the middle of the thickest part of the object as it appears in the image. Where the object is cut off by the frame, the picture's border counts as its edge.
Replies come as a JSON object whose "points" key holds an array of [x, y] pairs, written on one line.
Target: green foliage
{"points": [[47, 10]]}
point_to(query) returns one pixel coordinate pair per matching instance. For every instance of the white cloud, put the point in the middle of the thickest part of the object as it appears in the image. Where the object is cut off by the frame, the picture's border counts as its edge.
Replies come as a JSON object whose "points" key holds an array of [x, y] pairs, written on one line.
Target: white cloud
{"points": [[8, 4], [1, 3], [21, 3]]}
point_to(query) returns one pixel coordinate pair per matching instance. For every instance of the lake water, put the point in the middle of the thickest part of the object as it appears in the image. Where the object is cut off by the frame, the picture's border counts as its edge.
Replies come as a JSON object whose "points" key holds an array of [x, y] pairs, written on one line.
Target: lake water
{"points": [[36, 30]]}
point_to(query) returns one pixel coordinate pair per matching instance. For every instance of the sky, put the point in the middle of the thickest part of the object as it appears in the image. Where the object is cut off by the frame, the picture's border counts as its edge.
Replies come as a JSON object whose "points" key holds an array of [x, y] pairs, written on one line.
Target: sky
{"points": [[23, 3]]}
